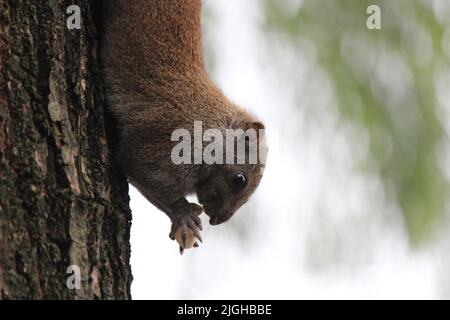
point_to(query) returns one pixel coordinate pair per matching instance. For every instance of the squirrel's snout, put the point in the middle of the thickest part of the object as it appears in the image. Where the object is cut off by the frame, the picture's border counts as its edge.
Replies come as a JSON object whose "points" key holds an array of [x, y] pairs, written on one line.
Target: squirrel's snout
{"points": [[218, 219], [216, 212], [214, 221]]}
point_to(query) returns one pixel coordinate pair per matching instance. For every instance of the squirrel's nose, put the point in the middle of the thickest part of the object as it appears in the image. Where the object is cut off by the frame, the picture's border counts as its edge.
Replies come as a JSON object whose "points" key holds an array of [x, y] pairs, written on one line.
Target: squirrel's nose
{"points": [[215, 220]]}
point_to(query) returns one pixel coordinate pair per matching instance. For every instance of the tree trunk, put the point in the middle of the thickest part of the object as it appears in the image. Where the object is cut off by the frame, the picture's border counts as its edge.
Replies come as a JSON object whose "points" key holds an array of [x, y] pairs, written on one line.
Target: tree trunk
{"points": [[62, 201]]}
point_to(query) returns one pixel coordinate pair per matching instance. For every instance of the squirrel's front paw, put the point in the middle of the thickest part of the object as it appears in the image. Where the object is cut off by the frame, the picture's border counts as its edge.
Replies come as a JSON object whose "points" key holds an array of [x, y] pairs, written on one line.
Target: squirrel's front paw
{"points": [[186, 227]]}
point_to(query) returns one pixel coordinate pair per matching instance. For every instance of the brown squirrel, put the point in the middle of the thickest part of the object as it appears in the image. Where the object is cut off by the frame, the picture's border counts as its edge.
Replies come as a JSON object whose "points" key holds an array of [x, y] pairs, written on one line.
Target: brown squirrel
{"points": [[155, 82]]}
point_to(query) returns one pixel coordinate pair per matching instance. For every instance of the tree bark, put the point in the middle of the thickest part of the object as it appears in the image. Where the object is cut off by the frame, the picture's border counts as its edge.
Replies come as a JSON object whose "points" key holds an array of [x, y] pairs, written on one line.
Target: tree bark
{"points": [[62, 201]]}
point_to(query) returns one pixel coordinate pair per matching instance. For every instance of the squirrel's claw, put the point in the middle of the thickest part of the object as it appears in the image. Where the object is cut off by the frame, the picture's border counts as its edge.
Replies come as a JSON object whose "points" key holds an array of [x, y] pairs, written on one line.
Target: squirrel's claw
{"points": [[198, 236], [186, 227]]}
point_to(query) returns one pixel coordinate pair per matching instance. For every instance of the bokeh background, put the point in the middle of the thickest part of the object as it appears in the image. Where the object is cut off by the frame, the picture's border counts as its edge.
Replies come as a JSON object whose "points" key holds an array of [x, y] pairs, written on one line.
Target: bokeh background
{"points": [[354, 201]]}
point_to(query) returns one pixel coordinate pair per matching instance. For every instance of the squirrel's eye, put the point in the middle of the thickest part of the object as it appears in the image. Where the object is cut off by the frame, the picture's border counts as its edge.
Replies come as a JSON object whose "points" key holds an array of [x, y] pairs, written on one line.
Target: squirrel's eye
{"points": [[239, 180]]}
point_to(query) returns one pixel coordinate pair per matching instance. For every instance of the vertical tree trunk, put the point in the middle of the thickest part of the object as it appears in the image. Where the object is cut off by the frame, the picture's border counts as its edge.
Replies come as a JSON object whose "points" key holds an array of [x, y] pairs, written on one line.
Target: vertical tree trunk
{"points": [[62, 202]]}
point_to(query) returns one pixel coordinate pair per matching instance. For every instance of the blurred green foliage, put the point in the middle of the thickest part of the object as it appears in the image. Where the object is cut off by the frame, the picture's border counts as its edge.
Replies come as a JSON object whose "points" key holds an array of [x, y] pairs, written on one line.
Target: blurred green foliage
{"points": [[383, 80]]}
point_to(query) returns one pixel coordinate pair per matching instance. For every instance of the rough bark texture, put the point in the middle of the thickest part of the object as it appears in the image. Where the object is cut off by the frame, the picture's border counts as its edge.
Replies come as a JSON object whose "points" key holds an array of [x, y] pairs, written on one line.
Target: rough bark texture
{"points": [[62, 202]]}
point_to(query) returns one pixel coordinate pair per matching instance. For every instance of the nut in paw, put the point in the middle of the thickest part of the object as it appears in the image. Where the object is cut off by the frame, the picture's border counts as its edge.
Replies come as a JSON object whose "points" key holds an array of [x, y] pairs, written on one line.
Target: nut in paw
{"points": [[187, 242]]}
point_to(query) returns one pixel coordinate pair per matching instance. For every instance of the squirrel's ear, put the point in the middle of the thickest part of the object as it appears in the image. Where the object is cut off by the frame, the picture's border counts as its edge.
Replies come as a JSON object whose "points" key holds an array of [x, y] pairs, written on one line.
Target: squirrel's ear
{"points": [[261, 140], [255, 125], [258, 127]]}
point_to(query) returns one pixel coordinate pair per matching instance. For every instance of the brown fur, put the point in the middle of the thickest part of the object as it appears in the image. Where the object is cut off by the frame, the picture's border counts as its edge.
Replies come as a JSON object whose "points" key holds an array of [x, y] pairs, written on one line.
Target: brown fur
{"points": [[155, 82]]}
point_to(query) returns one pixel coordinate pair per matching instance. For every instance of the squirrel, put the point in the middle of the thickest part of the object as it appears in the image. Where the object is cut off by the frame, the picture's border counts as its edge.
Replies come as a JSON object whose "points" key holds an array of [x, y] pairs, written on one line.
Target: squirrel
{"points": [[155, 82]]}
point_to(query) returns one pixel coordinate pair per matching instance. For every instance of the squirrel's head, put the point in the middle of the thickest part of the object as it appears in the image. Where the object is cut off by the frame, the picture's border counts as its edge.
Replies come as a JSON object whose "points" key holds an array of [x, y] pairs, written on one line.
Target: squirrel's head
{"points": [[226, 187]]}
